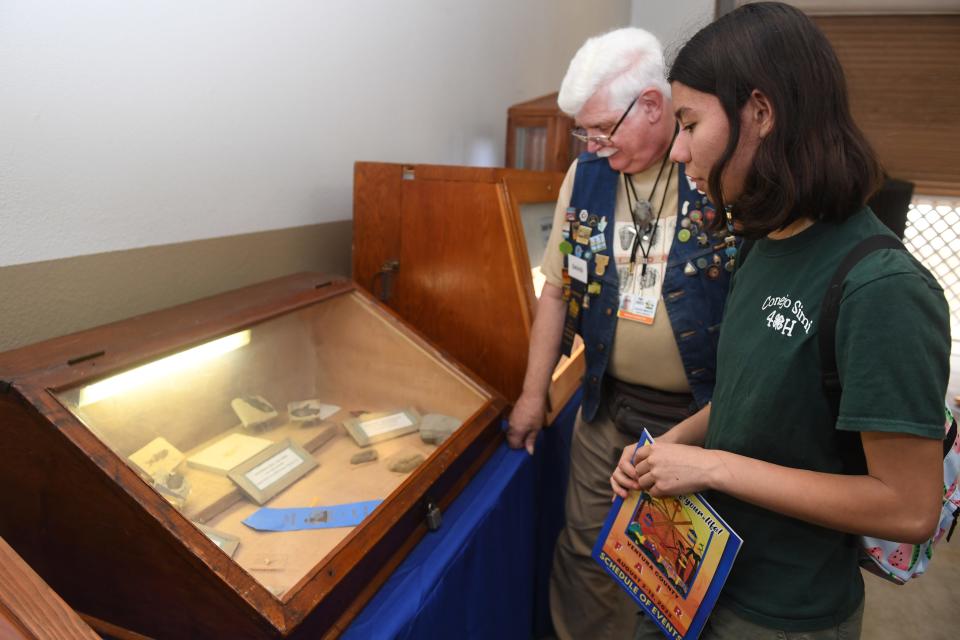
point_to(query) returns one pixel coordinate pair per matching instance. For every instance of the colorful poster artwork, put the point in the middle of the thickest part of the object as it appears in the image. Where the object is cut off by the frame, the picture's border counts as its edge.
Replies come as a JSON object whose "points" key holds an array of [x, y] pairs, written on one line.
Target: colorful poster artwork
{"points": [[672, 555]]}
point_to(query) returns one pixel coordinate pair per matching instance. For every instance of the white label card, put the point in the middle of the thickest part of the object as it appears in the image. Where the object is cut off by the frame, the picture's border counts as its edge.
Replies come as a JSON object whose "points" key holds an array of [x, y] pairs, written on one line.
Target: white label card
{"points": [[387, 423], [577, 268], [272, 469]]}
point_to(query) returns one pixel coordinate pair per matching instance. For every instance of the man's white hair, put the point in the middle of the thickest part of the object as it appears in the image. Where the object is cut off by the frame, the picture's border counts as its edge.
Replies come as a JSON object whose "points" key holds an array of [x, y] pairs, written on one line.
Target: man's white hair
{"points": [[624, 62]]}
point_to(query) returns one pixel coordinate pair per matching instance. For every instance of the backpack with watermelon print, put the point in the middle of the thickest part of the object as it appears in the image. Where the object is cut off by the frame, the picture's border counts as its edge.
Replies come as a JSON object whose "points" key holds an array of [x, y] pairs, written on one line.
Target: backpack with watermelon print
{"points": [[894, 561]]}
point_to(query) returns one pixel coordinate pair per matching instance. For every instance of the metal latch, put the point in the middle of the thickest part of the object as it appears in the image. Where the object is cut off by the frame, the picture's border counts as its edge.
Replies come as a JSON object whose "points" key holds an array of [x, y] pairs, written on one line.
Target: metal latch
{"points": [[385, 277], [434, 517]]}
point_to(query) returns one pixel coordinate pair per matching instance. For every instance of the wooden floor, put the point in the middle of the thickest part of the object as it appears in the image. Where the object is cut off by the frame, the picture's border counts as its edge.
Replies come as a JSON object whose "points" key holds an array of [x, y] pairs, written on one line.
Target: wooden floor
{"points": [[926, 607]]}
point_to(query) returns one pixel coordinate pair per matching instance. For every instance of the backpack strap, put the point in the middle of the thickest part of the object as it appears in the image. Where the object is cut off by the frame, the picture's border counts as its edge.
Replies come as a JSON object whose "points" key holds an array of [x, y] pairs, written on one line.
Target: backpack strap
{"points": [[949, 440], [830, 310]]}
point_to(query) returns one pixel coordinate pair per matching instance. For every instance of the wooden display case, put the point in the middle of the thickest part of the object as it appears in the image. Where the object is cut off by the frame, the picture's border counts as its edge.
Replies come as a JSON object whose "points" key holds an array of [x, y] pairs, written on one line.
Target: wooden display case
{"points": [[455, 251], [538, 136], [122, 490], [29, 609]]}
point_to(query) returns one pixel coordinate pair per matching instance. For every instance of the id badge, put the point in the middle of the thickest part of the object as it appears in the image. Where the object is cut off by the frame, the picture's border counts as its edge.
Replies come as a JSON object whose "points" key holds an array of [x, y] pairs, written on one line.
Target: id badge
{"points": [[640, 295], [577, 268]]}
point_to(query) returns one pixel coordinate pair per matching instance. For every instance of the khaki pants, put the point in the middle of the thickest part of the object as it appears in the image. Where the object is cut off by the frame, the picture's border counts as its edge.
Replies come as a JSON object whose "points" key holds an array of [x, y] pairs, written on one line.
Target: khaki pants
{"points": [[585, 602]]}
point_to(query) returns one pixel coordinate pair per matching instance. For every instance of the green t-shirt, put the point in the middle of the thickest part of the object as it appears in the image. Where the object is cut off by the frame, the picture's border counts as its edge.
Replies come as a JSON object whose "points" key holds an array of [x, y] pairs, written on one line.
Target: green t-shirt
{"points": [[893, 346]]}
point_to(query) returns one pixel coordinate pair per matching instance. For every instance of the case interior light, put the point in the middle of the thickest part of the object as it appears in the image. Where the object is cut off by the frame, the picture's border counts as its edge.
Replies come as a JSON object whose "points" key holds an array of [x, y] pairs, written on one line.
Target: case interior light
{"points": [[123, 382]]}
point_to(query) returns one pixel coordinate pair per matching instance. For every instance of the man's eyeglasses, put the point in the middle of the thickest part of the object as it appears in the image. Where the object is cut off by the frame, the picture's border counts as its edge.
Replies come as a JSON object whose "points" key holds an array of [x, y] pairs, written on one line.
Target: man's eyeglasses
{"points": [[602, 140]]}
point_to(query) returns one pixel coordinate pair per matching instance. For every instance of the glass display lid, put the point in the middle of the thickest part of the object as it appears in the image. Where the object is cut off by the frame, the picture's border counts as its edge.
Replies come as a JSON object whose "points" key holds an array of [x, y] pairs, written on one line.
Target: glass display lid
{"points": [[456, 252], [537, 219], [295, 444]]}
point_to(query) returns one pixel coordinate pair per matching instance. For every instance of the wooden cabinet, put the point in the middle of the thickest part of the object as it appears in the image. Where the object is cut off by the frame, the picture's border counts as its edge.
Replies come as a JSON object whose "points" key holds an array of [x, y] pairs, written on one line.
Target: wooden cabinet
{"points": [[29, 609], [452, 250], [124, 486], [538, 136]]}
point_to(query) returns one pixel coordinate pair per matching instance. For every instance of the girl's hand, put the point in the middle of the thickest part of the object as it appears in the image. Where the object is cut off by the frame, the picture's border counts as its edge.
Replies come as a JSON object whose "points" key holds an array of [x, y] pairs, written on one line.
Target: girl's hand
{"points": [[624, 478], [663, 469]]}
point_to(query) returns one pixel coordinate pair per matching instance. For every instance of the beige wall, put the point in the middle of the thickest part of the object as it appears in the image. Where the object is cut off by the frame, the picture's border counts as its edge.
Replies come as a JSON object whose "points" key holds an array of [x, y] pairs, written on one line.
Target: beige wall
{"points": [[151, 154], [42, 300], [133, 123]]}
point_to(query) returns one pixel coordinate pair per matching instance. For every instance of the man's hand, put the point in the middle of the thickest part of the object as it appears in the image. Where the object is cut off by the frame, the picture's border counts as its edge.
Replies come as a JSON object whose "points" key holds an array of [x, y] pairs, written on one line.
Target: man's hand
{"points": [[526, 420], [530, 411]]}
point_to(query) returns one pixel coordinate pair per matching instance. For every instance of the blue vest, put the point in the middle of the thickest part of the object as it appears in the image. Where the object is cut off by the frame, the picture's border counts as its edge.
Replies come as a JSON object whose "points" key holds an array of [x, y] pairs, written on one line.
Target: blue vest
{"points": [[694, 303]]}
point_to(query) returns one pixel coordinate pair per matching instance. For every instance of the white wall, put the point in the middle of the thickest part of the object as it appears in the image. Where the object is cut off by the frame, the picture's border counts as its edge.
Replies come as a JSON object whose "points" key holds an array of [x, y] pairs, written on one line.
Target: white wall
{"points": [[672, 21], [132, 123]]}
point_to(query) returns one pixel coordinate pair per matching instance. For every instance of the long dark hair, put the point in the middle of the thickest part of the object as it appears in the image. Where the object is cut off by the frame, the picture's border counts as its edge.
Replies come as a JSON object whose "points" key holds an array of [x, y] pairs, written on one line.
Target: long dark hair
{"points": [[815, 162]]}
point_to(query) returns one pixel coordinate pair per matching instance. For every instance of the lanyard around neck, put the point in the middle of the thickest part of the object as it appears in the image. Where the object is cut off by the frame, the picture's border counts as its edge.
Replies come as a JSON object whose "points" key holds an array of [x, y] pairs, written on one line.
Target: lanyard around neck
{"points": [[634, 204]]}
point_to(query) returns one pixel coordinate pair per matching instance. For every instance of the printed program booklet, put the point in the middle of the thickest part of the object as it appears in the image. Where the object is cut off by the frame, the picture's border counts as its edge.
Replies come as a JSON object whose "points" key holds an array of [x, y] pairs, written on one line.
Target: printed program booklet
{"points": [[672, 555]]}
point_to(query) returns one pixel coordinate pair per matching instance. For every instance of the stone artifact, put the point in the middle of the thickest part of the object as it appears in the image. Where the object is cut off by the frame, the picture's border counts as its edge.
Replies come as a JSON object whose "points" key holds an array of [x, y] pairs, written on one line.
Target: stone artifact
{"points": [[436, 427], [254, 411], [364, 456], [173, 487], [405, 462], [310, 411]]}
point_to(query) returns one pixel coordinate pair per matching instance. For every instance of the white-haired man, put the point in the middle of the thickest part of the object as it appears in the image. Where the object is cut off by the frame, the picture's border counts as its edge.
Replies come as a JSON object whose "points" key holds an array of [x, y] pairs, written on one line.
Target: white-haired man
{"points": [[633, 267]]}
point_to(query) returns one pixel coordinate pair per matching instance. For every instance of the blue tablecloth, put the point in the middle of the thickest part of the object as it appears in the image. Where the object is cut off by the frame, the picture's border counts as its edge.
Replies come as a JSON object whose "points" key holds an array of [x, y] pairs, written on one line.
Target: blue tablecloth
{"points": [[484, 573]]}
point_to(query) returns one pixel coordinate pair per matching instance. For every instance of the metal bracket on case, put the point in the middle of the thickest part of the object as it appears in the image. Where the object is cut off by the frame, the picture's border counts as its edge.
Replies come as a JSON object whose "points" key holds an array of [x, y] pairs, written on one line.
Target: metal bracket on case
{"points": [[385, 276], [434, 517]]}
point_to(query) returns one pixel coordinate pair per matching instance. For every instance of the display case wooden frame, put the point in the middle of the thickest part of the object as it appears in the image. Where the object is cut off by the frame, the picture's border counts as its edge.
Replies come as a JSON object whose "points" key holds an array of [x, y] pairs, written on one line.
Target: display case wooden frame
{"points": [[445, 246], [554, 147], [132, 564], [29, 609]]}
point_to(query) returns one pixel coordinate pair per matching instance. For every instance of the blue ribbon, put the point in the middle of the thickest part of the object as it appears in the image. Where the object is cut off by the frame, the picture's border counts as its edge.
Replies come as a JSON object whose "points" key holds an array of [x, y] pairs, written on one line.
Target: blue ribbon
{"points": [[338, 515]]}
